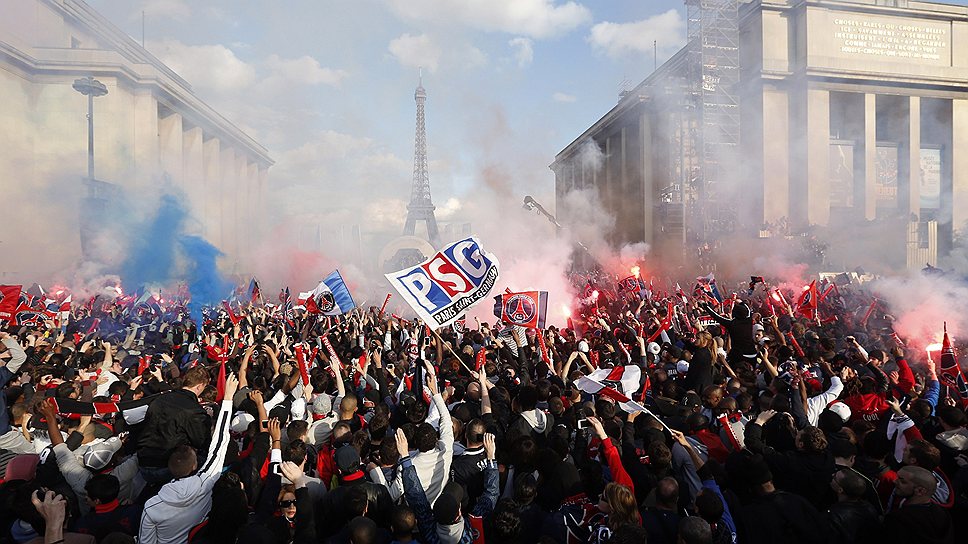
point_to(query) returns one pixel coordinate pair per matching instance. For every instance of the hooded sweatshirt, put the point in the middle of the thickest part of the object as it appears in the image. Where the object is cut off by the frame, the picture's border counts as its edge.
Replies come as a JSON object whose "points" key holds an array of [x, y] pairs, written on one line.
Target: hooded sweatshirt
{"points": [[183, 503], [433, 466]]}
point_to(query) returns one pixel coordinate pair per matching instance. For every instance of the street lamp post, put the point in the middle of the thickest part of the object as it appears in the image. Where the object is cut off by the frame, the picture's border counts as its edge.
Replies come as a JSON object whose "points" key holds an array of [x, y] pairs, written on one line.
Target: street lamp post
{"points": [[91, 88]]}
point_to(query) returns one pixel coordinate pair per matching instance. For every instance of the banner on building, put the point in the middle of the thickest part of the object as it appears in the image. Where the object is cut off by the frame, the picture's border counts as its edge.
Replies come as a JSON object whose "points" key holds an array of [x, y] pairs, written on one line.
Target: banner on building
{"points": [[841, 175], [885, 181], [930, 179], [444, 286]]}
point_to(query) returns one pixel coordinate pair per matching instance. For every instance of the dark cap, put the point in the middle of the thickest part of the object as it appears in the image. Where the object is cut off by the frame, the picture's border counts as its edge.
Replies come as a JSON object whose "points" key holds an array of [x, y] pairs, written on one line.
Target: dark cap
{"points": [[347, 460], [447, 506]]}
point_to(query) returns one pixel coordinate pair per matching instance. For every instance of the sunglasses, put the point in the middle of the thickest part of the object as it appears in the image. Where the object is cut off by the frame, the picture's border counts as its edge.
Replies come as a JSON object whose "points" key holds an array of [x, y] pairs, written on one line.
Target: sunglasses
{"points": [[287, 504]]}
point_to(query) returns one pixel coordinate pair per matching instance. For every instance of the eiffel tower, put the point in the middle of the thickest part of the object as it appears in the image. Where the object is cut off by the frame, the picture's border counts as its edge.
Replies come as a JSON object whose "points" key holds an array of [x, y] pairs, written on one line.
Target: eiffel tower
{"points": [[421, 207]]}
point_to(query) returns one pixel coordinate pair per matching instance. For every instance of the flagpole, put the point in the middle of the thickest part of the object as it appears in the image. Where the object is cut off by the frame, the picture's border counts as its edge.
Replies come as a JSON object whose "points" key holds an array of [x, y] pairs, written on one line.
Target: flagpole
{"points": [[451, 350]]}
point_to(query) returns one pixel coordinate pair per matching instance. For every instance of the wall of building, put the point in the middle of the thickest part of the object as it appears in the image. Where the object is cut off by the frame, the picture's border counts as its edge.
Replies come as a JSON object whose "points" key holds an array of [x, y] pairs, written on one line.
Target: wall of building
{"points": [[858, 87], [151, 133]]}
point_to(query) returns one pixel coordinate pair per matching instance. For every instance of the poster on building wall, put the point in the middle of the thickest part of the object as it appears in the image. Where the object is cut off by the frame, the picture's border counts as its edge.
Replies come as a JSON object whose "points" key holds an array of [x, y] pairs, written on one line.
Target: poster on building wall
{"points": [[930, 179], [841, 175], [885, 181]]}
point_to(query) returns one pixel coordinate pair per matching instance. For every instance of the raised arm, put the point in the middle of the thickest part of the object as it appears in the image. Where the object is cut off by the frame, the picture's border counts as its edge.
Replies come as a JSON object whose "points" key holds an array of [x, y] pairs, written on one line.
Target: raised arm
{"points": [[210, 471], [612, 457], [488, 500], [18, 356], [413, 490], [445, 425]]}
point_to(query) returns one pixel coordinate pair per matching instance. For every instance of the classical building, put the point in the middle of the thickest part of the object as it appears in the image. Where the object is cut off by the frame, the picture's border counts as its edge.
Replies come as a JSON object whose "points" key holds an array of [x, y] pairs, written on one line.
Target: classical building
{"points": [[842, 113], [151, 133]]}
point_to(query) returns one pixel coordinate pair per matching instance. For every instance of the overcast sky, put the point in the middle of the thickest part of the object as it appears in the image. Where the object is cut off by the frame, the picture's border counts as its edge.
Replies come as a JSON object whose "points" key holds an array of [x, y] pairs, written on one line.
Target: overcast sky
{"points": [[327, 86]]}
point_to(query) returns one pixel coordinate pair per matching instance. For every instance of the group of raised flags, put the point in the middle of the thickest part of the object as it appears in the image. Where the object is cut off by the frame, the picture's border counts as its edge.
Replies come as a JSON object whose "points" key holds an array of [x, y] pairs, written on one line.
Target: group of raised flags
{"points": [[28, 307]]}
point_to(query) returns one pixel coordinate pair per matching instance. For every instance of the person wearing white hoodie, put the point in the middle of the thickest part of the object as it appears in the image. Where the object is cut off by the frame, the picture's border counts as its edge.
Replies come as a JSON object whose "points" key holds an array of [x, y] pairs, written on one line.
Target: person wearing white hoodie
{"points": [[185, 501]]}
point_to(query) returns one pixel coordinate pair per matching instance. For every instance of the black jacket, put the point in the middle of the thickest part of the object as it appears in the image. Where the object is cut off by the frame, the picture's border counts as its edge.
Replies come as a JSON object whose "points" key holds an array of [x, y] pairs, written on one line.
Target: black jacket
{"points": [[853, 522], [700, 374], [465, 470], [173, 419], [916, 524], [781, 517], [332, 512]]}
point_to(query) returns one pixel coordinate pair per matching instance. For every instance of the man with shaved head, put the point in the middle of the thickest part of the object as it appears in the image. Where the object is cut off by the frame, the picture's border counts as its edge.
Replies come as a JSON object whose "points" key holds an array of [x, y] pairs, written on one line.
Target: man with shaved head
{"points": [[918, 520]]}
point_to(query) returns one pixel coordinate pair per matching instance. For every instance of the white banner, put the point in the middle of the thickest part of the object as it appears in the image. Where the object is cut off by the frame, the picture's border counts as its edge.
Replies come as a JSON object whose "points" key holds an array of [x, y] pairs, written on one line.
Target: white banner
{"points": [[442, 288]]}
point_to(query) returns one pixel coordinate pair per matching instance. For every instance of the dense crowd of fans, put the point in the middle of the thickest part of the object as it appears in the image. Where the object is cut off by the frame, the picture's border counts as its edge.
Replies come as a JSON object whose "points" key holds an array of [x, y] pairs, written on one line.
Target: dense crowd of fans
{"points": [[761, 426]]}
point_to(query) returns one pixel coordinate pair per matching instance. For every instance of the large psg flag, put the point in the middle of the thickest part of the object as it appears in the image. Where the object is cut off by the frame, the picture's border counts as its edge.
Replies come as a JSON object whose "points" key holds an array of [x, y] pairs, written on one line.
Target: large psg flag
{"points": [[527, 309]]}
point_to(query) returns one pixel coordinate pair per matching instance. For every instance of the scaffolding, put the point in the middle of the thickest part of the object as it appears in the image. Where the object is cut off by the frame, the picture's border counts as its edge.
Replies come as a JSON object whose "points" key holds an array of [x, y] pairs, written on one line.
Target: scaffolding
{"points": [[713, 78]]}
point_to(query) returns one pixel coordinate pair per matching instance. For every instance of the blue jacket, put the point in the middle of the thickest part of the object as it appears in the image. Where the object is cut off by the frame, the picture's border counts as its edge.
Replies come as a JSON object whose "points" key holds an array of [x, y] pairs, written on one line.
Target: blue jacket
{"points": [[417, 500]]}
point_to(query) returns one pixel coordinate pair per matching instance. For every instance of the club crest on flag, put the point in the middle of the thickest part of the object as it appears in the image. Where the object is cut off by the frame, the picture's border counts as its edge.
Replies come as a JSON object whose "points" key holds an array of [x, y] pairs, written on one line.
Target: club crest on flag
{"points": [[527, 309], [325, 302], [444, 286], [520, 308]]}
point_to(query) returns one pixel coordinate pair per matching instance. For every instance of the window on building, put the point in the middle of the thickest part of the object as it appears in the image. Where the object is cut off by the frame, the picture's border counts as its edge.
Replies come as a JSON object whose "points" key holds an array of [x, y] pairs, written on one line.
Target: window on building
{"points": [[75, 43]]}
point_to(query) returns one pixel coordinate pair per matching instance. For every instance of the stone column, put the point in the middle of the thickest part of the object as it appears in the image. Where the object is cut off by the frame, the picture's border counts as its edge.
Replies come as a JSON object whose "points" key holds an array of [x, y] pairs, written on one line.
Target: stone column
{"points": [[193, 170], [959, 162], [870, 156], [776, 155], [648, 179], [212, 158], [239, 202], [818, 156], [254, 208], [145, 138], [914, 155], [170, 147], [226, 202]]}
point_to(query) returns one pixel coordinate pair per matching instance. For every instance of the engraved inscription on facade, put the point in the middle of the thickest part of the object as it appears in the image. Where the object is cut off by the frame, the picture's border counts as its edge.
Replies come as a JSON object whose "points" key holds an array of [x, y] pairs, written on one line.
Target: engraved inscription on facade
{"points": [[902, 40]]}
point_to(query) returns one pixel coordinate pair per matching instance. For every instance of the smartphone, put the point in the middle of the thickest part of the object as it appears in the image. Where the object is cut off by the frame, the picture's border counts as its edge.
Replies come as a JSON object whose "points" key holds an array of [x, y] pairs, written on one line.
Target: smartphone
{"points": [[582, 424]]}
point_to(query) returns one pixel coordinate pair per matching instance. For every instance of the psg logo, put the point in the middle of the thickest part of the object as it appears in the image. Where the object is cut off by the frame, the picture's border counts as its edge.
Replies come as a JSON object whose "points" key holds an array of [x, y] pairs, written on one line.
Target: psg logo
{"points": [[326, 302], [520, 308]]}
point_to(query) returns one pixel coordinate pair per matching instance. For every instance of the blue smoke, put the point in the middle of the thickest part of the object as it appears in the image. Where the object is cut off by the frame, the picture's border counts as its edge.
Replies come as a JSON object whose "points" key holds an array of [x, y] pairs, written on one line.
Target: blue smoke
{"points": [[159, 246], [152, 253], [205, 283]]}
